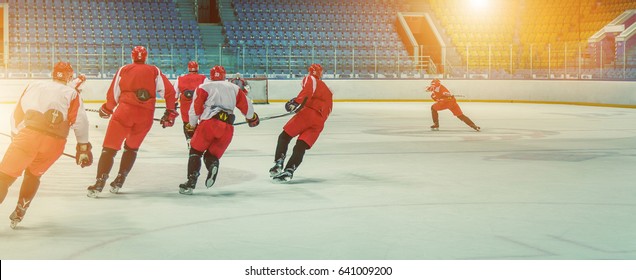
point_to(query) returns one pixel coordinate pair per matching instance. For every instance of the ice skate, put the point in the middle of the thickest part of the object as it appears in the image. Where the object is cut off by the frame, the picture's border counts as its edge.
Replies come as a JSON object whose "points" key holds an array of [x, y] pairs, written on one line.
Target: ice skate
{"points": [[188, 186], [277, 169], [435, 127], [285, 176], [476, 128], [214, 169], [17, 216], [116, 185], [96, 189]]}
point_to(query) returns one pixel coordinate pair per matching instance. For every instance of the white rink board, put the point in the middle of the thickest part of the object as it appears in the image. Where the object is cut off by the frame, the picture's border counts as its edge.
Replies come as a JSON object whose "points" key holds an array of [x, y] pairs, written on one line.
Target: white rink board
{"points": [[594, 92]]}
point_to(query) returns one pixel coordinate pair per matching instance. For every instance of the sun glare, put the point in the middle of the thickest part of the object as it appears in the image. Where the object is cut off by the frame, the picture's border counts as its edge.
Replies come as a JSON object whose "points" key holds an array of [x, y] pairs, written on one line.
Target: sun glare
{"points": [[479, 4]]}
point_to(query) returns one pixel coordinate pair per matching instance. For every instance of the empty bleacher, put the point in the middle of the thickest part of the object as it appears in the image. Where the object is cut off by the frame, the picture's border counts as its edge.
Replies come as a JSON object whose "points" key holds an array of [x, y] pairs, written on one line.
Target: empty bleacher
{"points": [[347, 37], [97, 38], [541, 35], [279, 38]]}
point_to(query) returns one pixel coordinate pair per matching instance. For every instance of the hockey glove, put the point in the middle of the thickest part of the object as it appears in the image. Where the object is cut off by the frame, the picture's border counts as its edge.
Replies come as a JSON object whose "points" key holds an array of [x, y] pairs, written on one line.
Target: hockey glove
{"points": [[168, 118], [188, 133], [84, 156], [254, 121], [189, 128], [292, 105], [104, 112]]}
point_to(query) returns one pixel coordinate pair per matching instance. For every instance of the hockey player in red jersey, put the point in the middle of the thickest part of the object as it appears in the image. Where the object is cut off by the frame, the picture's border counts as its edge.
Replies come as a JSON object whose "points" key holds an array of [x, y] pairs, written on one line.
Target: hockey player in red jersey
{"points": [[212, 115], [133, 92], [312, 106], [41, 122], [445, 100], [185, 87]]}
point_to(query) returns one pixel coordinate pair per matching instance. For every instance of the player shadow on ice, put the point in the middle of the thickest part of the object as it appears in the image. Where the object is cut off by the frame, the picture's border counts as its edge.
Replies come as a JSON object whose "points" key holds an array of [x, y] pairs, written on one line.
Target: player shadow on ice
{"points": [[199, 191], [301, 181]]}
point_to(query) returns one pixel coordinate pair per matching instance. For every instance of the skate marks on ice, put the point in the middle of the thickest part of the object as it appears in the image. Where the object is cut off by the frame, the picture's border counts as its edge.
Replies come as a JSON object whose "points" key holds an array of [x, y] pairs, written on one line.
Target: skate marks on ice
{"points": [[464, 134], [435, 221], [166, 184], [591, 115], [556, 155]]}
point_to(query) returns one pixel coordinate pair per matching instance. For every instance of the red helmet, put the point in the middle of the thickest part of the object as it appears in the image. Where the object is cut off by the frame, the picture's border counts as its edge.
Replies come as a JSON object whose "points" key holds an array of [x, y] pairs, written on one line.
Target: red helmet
{"points": [[139, 54], [315, 70], [435, 82], [193, 66], [217, 73], [62, 71]]}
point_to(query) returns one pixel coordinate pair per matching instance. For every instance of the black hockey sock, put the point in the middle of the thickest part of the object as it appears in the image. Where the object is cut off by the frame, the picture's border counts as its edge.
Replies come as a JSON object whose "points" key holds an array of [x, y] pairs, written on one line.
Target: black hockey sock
{"points": [[127, 161], [194, 163], [106, 160], [298, 154], [29, 188], [5, 182], [281, 147], [466, 120], [435, 116]]}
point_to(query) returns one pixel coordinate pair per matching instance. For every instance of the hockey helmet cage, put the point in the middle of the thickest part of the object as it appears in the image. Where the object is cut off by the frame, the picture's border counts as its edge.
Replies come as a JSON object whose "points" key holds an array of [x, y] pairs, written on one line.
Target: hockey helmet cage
{"points": [[435, 82], [315, 70], [139, 54], [217, 73], [62, 71], [193, 66]]}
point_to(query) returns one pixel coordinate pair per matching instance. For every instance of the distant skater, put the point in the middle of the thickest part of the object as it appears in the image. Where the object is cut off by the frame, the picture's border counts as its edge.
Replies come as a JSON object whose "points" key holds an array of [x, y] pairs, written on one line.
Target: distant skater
{"points": [[185, 87], [445, 100]]}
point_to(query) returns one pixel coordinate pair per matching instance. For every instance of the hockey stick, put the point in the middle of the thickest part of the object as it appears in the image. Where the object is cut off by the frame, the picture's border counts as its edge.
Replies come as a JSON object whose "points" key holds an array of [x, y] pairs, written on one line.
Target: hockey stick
{"points": [[281, 115], [97, 111], [68, 155], [268, 118]]}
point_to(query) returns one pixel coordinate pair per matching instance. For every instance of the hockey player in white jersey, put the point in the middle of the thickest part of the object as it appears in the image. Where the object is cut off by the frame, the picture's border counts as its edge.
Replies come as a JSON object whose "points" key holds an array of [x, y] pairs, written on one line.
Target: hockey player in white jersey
{"points": [[41, 122], [212, 115]]}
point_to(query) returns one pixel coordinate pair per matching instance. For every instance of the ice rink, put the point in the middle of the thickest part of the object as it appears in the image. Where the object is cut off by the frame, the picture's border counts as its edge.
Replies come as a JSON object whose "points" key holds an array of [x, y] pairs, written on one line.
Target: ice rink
{"points": [[539, 182]]}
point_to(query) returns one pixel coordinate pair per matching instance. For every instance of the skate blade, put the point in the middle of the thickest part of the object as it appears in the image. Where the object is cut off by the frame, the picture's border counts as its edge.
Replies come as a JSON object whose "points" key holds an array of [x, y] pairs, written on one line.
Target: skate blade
{"points": [[186, 191], [92, 194], [281, 180], [209, 183], [210, 180], [14, 224], [273, 174], [434, 129], [115, 190]]}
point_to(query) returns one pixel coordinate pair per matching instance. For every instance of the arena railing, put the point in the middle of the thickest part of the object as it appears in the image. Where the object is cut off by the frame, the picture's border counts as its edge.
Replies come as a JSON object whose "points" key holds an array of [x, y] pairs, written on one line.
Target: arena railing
{"points": [[548, 61]]}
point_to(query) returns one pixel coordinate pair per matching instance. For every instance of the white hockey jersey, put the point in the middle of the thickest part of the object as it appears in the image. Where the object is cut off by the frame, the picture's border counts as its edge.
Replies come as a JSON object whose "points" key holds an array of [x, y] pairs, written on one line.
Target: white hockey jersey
{"points": [[52, 108], [212, 97]]}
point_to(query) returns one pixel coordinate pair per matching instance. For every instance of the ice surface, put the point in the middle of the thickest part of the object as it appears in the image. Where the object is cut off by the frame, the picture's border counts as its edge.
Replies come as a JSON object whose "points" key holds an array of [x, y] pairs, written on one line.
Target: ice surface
{"points": [[539, 182]]}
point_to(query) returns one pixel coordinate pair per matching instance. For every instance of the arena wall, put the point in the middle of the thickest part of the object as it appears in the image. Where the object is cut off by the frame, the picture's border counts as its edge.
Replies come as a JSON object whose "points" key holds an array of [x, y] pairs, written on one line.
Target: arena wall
{"points": [[597, 93]]}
